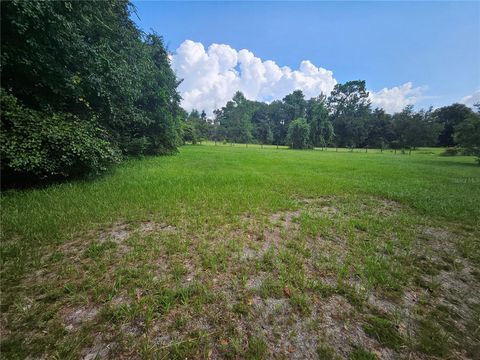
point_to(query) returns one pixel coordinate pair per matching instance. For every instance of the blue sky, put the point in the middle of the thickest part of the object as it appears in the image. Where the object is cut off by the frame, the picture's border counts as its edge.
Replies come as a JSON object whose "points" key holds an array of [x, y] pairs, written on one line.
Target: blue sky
{"points": [[435, 46]]}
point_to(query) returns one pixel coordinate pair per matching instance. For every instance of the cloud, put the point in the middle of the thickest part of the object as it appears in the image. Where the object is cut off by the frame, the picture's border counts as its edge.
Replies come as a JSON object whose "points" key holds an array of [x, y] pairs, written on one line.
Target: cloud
{"points": [[396, 98], [211, 77], [471, 100]]}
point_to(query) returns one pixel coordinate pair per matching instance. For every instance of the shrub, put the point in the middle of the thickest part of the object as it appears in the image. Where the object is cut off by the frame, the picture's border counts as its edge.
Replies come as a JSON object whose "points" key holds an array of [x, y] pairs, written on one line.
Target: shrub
{"points": [[36, 145], [451, 151]]}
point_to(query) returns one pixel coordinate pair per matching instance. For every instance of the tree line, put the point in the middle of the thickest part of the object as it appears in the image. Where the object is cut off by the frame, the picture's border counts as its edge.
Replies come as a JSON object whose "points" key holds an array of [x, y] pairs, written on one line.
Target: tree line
{"points": [[82, 87], [345, 118]]}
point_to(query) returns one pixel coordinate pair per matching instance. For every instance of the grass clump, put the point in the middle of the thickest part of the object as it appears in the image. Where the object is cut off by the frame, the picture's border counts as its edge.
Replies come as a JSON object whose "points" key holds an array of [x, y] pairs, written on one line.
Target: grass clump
{"points": [[432, 340], [384, 331], [361, 354], [257, 349], [325, 352]]}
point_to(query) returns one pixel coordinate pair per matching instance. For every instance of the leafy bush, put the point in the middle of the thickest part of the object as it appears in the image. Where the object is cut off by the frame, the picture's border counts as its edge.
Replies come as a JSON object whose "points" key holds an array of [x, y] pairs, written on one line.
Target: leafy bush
{"points": [[40, 145], [451, 151]]}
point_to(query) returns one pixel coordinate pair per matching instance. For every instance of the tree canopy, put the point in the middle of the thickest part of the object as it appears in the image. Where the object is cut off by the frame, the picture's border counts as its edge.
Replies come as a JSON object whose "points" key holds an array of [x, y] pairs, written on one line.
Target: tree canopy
{"points": [[344, 119], [83, 65]]}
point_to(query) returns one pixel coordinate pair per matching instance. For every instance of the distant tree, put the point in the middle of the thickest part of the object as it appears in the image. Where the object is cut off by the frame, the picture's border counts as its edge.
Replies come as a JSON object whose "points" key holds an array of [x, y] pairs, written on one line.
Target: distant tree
{"points": [[278, 120], [350, 109], [298, 134], [321, 128], [189, 133], [294, 105], [262, 125], [415, 129], [200, 124], [449, 117], [235, 118], [380, 130], [467, 134]]}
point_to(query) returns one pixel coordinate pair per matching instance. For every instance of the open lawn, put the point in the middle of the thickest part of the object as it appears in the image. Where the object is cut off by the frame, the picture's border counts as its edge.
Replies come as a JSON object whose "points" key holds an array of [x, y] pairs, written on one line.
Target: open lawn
{"points": [[235, 252]]}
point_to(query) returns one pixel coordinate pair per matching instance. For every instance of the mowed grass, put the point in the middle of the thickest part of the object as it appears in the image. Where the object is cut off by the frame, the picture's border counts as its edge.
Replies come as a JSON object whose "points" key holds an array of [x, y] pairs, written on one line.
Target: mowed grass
{"points": [[234, 251]]}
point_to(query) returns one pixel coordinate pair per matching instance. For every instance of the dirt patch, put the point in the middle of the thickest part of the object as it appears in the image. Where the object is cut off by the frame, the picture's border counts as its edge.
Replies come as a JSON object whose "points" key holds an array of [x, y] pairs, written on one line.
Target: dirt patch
{"points": [[386, 207], [383, 306], [120, 299], [285, 219], [147, 227], [261, 238], [286, 332], [343, 331], [436, 234], [99, 350], [118, 233], [75, 317]]}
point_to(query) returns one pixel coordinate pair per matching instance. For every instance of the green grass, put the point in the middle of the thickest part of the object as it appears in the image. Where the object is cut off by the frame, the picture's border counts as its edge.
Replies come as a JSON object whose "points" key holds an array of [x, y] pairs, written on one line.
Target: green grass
{"points": [[214, 245]]}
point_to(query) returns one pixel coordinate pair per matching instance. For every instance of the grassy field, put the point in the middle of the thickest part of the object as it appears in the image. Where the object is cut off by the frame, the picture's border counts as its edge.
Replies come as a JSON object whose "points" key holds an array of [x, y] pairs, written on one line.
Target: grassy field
{"points": [[248, 252]]}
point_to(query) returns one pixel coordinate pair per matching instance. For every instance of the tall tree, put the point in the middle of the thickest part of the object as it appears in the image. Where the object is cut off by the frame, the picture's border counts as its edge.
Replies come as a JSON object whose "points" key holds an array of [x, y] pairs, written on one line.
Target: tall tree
{"points": [[380, 130], [350, 108], [294, 105], [235, 118], [298, 134], [415, 129], [467, 134], [321, 128], [449, 117], [262, 125]]}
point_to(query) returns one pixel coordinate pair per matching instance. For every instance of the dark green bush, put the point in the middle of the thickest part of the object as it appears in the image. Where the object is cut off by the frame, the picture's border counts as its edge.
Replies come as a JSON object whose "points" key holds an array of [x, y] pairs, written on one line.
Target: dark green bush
{"points": [[40, 145], [451, 151]]}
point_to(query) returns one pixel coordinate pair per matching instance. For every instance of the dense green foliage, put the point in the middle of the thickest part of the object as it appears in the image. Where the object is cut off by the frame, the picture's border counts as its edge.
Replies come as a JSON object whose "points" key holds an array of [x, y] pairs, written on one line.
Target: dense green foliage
{"points": [[343, 119], [87, 67], [467, 135], [298, 134], [449, 117], [54, 144]]}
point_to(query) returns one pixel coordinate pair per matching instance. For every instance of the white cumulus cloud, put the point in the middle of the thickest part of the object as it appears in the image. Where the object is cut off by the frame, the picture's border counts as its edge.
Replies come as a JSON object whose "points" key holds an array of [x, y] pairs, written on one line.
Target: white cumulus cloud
{"points": [[471, 100], [396, 98], [212, 75]]}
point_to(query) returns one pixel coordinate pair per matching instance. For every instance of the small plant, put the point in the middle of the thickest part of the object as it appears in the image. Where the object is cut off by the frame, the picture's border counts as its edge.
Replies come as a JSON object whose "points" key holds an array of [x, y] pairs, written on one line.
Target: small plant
{"points": [[384, 331], [300, 302], [325, 352], [432, 340], [257, 349], [361, 354]]}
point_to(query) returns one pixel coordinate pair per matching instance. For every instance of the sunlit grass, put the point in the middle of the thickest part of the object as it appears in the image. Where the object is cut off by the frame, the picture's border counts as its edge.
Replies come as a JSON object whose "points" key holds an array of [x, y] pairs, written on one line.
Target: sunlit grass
{"points": [[361, 224]]}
